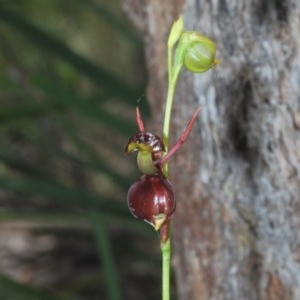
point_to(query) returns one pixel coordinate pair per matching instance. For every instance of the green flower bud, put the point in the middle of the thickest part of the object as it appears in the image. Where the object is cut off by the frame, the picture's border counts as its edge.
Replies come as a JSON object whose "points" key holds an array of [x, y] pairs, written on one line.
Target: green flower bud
{"points": [[199, 52]]}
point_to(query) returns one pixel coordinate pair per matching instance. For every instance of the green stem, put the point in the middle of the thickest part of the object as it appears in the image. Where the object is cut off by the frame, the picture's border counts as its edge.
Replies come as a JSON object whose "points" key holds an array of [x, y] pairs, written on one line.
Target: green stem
{"points": [[173, 76], [166, 241], [166, 262], [169, 104]]}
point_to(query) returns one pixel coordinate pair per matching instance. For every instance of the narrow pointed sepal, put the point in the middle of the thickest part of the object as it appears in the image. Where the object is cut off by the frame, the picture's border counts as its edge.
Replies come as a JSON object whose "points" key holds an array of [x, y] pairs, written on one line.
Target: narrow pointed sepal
{"points": [[182, 138]]}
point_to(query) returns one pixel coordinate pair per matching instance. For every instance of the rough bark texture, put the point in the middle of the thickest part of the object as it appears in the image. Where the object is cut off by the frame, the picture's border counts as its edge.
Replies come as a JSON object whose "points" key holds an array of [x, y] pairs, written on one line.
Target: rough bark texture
{"points": [[236, 231]]}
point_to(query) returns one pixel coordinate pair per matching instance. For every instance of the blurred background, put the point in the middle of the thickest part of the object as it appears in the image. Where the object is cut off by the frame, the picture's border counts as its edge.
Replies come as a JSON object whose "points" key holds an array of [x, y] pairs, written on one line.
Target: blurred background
{"points": [[71, 74]]}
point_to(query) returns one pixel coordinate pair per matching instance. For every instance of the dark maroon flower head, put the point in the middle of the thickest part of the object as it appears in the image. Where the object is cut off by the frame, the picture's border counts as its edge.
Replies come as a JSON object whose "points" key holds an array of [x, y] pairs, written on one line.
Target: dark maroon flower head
{"points": [[151, 198], [151, 150], [145, 141]]}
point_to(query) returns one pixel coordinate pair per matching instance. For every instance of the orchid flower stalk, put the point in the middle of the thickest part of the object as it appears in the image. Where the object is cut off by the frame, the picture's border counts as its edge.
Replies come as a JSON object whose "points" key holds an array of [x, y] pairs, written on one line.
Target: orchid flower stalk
{"points": [[151, 197]]}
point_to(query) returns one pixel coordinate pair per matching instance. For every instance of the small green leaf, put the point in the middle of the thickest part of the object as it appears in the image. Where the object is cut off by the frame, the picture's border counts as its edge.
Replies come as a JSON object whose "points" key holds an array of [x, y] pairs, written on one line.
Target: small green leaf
{"points": [[10, 289], [175, 33]]}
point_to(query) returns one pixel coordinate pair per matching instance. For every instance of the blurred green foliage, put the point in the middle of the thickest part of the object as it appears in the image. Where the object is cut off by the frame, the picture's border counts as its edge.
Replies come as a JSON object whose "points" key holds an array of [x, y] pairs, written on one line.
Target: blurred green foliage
{"points": [[71, 73]]}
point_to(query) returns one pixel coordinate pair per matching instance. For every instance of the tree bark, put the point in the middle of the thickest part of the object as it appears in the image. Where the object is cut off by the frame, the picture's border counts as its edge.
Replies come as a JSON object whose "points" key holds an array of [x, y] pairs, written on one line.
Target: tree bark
{"points": [[236, 231]]}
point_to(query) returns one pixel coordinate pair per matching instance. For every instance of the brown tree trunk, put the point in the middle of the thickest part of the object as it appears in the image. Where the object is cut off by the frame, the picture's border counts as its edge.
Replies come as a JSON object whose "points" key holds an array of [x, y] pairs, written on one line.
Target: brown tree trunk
{"points": [[236, 231]]}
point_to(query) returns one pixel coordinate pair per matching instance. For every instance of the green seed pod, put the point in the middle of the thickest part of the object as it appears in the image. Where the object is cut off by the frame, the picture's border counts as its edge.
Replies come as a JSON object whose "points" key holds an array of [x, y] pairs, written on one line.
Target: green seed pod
{"points": [[199, 52]]}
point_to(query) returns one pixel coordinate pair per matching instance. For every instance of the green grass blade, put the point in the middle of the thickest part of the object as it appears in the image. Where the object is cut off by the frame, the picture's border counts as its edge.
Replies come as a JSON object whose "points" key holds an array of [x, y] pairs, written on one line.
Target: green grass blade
{"points": [[106, 255], [97, 164], [15, 114], [42, 218], [84, 107], [15, 163], [10, 289], [63, 194], [82, 217], [48, 43], [113, 21]]}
